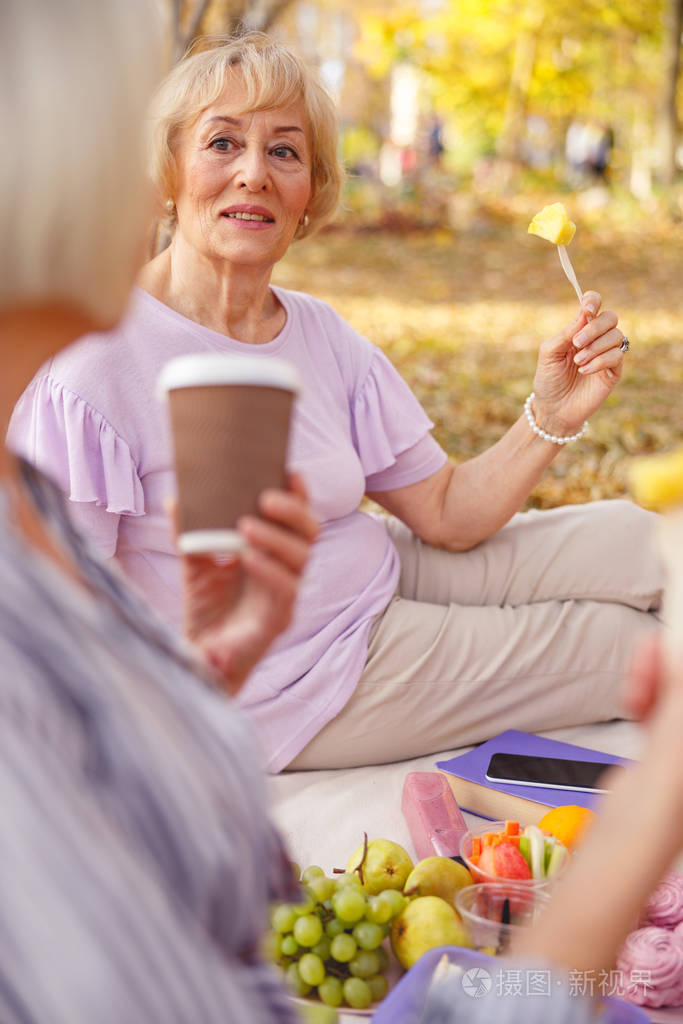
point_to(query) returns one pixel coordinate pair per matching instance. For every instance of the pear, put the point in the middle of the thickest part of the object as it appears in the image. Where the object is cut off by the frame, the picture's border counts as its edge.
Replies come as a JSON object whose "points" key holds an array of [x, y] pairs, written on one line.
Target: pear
{"points": [[425, 923], [437, 876], [381, 865]]}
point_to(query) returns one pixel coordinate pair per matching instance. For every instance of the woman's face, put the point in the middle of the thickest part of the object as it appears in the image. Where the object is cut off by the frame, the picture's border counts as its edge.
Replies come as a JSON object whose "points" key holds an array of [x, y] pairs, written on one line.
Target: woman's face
{"points": [[244, 179]]}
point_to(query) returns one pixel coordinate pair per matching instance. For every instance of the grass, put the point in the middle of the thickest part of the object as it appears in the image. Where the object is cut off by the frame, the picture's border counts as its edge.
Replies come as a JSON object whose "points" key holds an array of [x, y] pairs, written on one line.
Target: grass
{"points": [[461, 315]]}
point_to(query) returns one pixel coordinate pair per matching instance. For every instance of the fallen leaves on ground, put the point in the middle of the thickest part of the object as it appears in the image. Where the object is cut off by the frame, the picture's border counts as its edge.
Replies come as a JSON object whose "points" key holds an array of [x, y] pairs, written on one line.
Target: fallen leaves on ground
{"points": [[461, 315]]}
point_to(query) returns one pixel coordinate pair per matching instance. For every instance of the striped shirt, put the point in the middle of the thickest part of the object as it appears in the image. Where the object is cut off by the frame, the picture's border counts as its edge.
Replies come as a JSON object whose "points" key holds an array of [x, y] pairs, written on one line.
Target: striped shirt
{"points": [[136, 857]]}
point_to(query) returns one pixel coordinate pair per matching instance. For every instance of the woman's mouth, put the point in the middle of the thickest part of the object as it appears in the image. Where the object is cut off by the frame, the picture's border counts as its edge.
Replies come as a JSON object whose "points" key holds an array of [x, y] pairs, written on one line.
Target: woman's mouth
{"points": [[237, 215]]}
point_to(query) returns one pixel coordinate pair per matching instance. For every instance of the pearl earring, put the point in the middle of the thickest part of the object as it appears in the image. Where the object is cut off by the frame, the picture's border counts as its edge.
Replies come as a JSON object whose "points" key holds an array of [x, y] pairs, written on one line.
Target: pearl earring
{"points": [[170, 205], [305, 221]]}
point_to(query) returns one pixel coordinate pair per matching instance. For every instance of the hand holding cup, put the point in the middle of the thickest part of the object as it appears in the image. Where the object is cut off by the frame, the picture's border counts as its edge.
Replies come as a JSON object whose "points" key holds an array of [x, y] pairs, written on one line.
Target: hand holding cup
{"points": [[230, 418], [243, 525]]}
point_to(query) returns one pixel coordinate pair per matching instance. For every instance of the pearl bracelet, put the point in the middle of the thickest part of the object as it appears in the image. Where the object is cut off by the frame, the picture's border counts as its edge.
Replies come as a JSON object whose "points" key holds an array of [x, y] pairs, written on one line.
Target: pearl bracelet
{"points": [[544, 433]]}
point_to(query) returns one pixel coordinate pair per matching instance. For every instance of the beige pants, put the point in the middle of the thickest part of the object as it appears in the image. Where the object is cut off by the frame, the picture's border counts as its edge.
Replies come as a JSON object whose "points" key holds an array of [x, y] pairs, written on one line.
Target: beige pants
{"points": [[533, 629]]}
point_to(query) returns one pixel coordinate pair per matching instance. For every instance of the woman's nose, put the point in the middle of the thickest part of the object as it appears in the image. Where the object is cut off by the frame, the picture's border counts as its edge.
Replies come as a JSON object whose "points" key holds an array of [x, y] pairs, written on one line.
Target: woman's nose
{"points": [[253, 171]]}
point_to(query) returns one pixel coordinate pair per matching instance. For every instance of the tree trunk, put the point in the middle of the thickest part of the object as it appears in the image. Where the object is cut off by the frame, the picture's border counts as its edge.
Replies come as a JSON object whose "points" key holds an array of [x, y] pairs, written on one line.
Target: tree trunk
{"points": [[668, 118], [228, 17], [192, 18], [185, 29], [521, 75], [261, 14]]}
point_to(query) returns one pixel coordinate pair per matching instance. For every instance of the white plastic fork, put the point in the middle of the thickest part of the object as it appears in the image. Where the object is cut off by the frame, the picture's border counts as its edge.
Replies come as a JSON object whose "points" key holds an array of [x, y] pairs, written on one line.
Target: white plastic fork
{"points": [[571, 277], [569, 270]]}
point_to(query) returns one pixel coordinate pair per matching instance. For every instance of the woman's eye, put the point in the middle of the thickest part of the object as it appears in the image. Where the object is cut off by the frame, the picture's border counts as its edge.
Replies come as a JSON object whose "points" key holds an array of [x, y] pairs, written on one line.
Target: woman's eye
{"points": [[222, 145], [284, 151]]}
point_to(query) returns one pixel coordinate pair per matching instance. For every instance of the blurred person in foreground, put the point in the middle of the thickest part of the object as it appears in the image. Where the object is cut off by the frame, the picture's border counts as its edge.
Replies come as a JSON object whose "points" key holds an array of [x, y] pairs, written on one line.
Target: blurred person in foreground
{"points": [[435, 627], [136, 856]]}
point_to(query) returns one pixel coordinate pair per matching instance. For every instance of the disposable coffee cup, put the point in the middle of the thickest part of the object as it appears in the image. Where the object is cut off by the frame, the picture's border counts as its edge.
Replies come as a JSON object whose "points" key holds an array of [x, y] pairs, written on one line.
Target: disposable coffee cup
{"points": [[230, 418]]}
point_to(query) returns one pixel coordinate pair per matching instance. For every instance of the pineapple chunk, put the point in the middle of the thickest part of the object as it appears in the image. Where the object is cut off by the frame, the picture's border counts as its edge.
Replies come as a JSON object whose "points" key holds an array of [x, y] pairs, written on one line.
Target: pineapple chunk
{"points": [[657, 481], [553, 223]]}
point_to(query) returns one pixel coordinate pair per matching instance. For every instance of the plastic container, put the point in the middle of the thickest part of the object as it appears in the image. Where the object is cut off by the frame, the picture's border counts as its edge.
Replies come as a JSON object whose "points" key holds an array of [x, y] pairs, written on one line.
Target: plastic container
{"points": [[493, 912], [484, 876]]}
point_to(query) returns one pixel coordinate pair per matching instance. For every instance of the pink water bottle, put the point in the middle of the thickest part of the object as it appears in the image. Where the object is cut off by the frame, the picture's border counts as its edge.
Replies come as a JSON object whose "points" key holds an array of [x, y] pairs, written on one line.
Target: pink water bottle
{"points": [[435, 821]]}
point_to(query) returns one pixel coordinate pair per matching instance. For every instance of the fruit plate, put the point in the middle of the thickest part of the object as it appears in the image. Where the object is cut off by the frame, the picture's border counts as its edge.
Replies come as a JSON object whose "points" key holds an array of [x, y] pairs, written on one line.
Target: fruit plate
{"points": [[393, 974], [343, 1011]]}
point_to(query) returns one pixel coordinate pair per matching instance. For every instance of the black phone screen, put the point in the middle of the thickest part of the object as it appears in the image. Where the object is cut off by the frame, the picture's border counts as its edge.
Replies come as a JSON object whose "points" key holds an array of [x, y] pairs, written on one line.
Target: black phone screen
{"points": [[551, 772]]}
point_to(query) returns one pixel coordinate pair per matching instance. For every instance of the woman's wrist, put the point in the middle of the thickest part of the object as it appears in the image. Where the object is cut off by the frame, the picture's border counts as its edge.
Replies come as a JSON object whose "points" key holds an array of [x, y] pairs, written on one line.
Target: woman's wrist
{"points": [[548, 427]]}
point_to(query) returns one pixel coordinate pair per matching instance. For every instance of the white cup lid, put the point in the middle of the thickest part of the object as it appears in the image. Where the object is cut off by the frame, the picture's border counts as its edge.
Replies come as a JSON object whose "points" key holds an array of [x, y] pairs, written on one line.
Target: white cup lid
{"points": [[205, 369]]}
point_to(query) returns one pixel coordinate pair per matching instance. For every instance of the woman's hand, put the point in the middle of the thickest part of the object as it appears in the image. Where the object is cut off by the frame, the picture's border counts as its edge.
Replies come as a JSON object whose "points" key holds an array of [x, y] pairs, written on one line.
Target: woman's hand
{"points": [[235, 607], [578, 369]]}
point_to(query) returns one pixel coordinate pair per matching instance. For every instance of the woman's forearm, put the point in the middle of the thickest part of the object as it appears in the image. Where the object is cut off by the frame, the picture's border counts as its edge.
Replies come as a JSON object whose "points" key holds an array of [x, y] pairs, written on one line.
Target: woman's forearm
{"points": [[486, 491], [459, 506]]}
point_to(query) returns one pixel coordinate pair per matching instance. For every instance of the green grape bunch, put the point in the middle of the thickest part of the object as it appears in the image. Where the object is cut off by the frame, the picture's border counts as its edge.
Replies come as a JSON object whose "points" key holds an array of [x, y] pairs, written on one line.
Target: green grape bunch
{"points": [[330, 944]]}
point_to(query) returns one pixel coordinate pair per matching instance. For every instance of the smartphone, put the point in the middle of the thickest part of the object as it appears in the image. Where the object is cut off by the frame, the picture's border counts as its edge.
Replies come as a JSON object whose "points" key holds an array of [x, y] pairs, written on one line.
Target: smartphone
{"points": [[548, 772]]}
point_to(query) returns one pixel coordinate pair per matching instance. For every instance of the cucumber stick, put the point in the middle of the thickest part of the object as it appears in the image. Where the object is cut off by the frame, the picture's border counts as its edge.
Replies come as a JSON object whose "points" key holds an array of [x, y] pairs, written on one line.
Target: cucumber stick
{"points": [[536, 850]]}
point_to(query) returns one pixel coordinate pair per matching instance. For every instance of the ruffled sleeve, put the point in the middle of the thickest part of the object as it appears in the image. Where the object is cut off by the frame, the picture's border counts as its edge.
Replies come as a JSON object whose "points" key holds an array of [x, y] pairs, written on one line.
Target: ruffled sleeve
{"points": [[391, 431], [74, 445]]}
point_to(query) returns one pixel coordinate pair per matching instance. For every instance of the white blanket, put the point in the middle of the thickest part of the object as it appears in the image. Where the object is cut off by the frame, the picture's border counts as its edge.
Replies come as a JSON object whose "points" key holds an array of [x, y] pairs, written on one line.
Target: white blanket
{"points": [[323, 814]]}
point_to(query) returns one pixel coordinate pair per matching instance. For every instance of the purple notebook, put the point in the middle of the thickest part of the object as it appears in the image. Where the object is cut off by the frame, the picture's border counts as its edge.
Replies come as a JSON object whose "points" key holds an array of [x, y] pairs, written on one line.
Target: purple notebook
{"points": [[468, 772]]}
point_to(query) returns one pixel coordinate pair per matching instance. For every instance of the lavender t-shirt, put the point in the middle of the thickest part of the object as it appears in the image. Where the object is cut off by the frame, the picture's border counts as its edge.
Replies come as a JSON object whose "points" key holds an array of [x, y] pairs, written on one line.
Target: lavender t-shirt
{"points": [[91, 419]]}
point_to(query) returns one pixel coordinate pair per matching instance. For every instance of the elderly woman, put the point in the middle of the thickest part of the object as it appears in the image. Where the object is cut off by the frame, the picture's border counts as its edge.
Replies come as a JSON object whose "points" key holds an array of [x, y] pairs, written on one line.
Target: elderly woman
{"points": [[415, 633], [137, 858]]}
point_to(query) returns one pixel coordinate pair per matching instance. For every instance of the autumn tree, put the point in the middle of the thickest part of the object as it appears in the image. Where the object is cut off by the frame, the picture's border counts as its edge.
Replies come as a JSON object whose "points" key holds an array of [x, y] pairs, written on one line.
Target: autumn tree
{"points": [[490, 63], [191, 18], [668, 117]]}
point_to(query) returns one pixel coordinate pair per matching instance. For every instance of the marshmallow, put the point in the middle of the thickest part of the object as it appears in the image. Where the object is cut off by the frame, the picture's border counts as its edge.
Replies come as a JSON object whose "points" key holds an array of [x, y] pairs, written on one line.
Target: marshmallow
{"points": [[664, 908], [651, 965]]}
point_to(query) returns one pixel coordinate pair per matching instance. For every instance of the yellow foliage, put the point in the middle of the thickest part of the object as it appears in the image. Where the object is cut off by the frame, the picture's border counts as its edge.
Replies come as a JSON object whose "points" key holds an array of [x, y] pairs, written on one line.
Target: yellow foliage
{"points": [[467, 49]]}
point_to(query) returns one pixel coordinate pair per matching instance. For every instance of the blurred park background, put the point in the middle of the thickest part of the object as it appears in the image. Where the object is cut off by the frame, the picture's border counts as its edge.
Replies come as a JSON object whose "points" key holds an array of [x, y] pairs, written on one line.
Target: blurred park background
{"points": [[459, 120]]}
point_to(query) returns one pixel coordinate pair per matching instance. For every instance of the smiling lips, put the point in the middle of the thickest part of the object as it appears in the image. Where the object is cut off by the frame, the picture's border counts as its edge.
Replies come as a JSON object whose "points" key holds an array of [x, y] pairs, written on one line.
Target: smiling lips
{"points": [[250, 214]]}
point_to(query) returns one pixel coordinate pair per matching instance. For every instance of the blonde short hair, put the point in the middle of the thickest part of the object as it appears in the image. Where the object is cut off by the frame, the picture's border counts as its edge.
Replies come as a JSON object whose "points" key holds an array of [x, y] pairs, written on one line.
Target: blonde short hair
{"points": [[273, 77], [76, 78]]}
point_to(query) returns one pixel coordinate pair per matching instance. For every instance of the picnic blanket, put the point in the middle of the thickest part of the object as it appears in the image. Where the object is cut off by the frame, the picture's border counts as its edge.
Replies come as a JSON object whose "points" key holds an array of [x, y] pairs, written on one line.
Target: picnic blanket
{"points": [[323, 814]]}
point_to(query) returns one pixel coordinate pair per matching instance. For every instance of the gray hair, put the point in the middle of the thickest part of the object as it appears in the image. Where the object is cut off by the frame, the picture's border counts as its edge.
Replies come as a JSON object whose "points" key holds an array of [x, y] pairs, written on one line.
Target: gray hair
{"points": [[76, 77]]}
